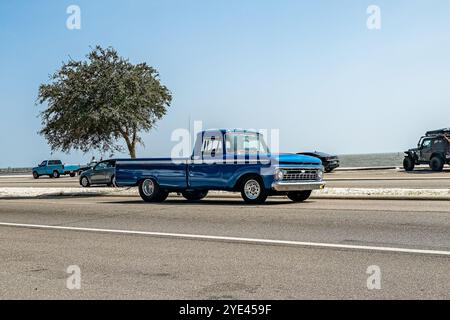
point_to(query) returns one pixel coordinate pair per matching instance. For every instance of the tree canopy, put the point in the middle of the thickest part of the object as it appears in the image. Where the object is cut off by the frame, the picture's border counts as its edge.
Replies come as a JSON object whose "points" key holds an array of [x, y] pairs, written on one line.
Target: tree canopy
{"points": [[94, 103]]}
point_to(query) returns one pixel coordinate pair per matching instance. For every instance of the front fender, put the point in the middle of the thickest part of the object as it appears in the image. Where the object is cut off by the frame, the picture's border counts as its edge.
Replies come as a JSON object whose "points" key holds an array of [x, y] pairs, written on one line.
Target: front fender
{"points": [[256, 170]]}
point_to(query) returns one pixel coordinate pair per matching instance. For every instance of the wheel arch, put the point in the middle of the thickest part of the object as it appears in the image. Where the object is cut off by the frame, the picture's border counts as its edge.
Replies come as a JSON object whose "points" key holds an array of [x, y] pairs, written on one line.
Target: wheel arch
{"points": [[438, 154], [141, 179], [88, 179], [243, 176]]}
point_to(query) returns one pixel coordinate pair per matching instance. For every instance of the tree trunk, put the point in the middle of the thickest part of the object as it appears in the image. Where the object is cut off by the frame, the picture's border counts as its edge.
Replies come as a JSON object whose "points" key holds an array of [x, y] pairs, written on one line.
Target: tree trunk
{"points": [[132, 151], [131, 145]]}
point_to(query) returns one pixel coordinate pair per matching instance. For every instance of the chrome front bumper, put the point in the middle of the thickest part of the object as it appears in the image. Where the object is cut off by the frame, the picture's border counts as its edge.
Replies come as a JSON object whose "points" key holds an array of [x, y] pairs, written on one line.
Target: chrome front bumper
{"points": [[297, 186]]}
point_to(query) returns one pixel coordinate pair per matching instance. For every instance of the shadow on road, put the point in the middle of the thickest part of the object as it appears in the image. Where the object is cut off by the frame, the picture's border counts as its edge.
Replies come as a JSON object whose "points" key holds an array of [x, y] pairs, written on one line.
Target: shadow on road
{"points": [[425, 171], [206, 202]]}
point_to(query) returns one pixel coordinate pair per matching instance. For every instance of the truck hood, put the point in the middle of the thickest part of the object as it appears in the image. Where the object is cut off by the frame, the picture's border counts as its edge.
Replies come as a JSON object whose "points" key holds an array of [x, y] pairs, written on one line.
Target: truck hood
{"points": [[296, 159]]}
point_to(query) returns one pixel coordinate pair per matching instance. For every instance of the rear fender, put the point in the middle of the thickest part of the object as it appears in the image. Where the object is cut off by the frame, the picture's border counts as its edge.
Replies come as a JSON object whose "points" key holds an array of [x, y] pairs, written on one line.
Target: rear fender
{"points": [[438, 154]]}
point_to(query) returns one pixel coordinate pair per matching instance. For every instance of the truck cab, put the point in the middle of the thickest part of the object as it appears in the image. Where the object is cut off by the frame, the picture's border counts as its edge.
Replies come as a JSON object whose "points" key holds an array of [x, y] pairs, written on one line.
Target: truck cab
{"points": [[51, 168], [226, 160]]}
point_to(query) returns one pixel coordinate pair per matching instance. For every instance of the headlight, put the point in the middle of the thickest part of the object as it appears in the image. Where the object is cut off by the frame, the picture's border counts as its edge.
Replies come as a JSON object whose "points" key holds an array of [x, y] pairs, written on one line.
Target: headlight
{"points": [[278, 174], [320, 174]]}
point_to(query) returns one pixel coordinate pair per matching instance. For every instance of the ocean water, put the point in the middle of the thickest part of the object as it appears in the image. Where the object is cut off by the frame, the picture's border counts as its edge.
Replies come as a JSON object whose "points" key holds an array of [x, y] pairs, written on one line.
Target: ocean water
{"points": [[347, 160], [371, 160]]}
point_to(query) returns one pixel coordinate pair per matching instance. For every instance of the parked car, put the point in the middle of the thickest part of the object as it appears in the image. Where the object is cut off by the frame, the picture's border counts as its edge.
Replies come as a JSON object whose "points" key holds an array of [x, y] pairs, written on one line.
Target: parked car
{"points": [[54, 169], [433, 149], [329, 162], [103, 173], [229, 160]]}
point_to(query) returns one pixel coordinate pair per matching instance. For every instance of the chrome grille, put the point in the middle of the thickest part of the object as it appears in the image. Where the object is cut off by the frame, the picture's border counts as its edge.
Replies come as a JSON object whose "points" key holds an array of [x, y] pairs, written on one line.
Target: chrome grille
{"points": [[300, 175]]}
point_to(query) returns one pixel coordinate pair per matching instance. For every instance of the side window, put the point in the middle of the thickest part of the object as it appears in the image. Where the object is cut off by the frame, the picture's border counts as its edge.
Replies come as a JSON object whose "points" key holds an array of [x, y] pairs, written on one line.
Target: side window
{"points": [[212, 147], [101, 165], [43, 164], [426, 143], [111, 164]]}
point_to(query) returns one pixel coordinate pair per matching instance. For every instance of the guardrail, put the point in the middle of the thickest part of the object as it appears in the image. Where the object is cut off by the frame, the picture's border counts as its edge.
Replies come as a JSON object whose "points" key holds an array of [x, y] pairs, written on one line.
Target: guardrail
{"points": [[15, 170]]}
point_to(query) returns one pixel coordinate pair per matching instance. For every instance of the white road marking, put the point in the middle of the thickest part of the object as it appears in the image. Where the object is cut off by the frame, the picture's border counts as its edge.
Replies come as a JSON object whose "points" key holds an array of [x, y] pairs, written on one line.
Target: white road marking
{"points": [[232, 239]]}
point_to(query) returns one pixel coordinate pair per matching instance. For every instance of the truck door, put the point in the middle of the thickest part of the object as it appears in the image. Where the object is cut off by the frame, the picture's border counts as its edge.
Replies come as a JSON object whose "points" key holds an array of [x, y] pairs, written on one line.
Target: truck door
{"points": [[426, 149], [206, 166], [42, 168]]}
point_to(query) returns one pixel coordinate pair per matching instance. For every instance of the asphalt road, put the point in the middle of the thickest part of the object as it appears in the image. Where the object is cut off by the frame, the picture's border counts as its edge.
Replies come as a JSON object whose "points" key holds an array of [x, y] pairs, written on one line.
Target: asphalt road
{"points": [[422, 178], [126, 264]]}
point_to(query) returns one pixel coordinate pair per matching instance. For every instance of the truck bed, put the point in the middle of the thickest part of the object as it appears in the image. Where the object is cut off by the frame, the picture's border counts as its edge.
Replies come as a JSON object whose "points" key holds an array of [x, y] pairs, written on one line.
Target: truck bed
{"points": [[170, 173]]}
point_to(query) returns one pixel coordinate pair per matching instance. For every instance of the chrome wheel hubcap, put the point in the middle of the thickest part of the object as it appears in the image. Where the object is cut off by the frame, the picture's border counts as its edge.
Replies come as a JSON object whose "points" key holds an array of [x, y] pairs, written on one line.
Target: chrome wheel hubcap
{"points": [[84, 182], [252, 189], [148, 187]]}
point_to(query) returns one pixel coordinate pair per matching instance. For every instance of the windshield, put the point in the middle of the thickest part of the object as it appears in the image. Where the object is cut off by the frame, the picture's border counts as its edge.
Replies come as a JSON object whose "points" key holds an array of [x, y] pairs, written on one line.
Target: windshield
{"points": [[245, 143]]}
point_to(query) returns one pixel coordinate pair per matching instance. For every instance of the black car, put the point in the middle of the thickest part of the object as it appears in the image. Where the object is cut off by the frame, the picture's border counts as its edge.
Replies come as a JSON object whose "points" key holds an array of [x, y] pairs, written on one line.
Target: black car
{"points": [[329, 162]]}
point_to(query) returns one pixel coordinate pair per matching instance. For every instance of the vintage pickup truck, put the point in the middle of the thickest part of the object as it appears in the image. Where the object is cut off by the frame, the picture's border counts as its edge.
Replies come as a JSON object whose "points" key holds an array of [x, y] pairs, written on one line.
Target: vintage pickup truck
{"points": [[55, 169], [228, 160]]}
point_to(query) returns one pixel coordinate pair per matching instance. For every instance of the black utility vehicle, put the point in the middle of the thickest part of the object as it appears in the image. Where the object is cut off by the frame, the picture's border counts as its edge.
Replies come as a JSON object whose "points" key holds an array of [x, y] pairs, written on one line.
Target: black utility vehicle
{"points": [[329, 161], [433, 149]]}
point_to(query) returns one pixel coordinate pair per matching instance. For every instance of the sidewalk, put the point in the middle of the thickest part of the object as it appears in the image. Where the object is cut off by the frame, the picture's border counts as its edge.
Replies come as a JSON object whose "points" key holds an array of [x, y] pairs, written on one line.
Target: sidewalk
{"points": [[327, 193]]}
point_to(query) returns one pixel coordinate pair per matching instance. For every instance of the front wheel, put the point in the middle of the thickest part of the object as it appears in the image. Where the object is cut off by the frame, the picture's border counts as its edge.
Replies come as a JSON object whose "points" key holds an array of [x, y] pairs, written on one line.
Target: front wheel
{"points": [[194, 195], [35, 175], [150, 191], [299, 196], [408, 164], [73, 174], [437, 164], [253, 190], [85, 182]]}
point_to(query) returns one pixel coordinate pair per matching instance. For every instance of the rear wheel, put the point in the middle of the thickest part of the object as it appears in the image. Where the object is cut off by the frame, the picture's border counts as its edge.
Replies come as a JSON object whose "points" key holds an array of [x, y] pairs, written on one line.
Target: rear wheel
{"points": [[55, 174], [253, 190], [194, 195], [112, 182], [436, 163], [35, 175], [150, 191], [299, 196], [73, 174], [408, 164]]}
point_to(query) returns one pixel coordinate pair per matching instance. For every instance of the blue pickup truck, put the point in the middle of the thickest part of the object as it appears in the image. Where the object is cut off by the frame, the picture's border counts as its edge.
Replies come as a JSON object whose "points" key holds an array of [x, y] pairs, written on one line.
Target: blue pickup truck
{"points": [[55, 169], [228, 160]]}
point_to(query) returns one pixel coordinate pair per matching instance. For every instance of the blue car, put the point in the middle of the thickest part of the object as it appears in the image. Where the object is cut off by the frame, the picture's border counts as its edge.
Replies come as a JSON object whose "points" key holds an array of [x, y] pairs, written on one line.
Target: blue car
{"points": [[228, 160]]}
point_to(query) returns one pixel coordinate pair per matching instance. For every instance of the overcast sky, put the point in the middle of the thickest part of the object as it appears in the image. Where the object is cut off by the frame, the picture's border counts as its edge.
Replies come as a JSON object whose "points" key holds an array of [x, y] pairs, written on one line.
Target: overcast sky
{"points": [[311, 69]]}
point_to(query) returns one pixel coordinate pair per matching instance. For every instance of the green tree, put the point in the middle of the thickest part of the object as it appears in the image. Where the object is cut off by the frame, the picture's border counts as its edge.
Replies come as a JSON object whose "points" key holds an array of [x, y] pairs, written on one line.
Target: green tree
{"points": [[93, 104]]}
